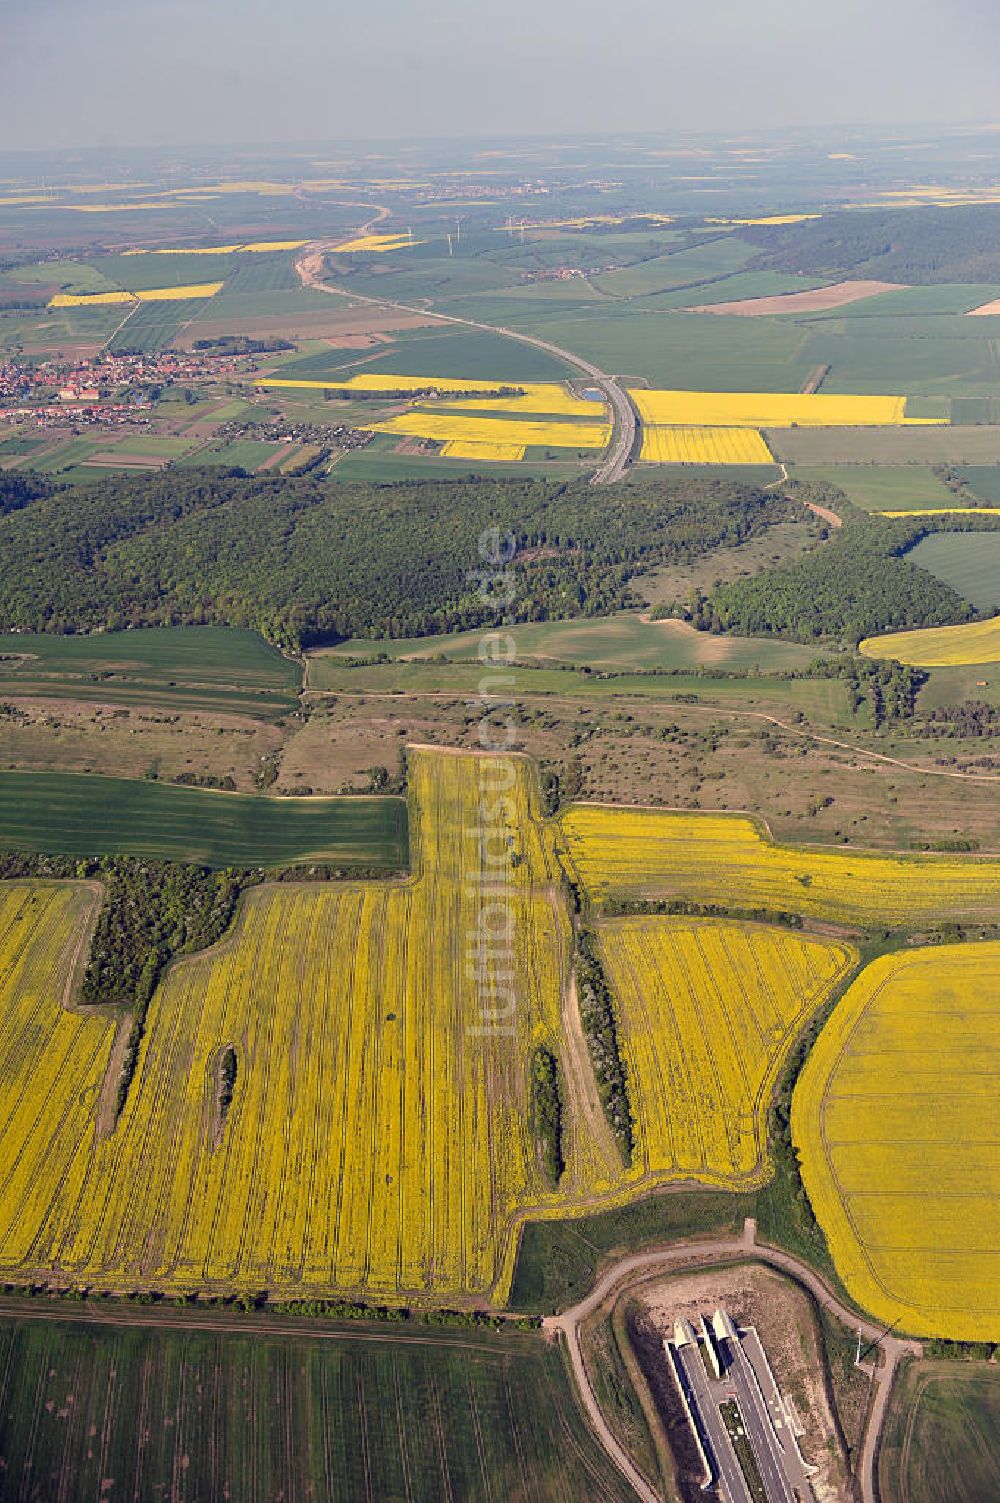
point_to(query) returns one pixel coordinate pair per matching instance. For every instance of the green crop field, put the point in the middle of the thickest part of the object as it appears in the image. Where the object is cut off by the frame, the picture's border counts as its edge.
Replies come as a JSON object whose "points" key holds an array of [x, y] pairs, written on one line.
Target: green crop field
{"points": [[246, 453], [621, 642], [950, 686], [885, 446], [742, 284], [178, 666], [934, 356], [19, 445], [737, 474], [693, 351], [255, 1417], [141, 273], [883, 487], [378, 462], [153, 325], [458, 352], [77, 277], [822, 699], [976, 410], [677, 268], [263, 302], [154, 444], [984, 480], [939, 1444], [64, 456], [79, 814], [968, 561]]}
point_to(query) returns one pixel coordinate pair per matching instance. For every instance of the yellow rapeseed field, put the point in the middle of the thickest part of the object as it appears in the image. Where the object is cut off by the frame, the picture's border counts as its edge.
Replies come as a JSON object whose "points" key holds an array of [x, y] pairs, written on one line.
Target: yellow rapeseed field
{"points": [[378, 1137], [151, 295], [467, 449], [940, 646], [725, 858], [85, 300], [708, 1011], [377, 243], [380, 382], [895, 1119], [447, 426], [703, 446], [723, 409], [544, 398], [52, 1061], [534, 396], [178, 294], [931, 511], [219, 250]]}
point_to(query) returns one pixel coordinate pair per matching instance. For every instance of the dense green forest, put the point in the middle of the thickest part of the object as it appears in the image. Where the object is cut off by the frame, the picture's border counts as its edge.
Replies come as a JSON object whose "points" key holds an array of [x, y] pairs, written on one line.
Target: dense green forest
{"points": [[20, 490], [303, 562], [893, 245], [858, 584]]}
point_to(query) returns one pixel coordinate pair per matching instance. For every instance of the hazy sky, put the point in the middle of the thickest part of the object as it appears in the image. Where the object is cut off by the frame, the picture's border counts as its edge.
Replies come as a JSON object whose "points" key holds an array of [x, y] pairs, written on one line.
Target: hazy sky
{"points": [[141, 72]]}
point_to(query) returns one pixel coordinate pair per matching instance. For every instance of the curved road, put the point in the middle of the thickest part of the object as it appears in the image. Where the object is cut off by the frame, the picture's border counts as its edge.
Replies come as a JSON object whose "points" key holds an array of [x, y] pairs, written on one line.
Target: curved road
{"points": [[617, 456], [641, 1266]]}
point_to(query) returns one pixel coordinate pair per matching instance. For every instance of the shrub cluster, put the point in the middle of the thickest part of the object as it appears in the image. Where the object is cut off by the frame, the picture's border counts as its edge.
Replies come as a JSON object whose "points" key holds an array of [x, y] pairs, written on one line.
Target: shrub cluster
{"points": [[546, 1113], [601, 1031]]}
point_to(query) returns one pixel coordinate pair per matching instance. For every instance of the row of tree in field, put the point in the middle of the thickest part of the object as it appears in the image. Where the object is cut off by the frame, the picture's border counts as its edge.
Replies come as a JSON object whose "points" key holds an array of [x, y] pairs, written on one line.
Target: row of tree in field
{"points": [[597, 1014]]}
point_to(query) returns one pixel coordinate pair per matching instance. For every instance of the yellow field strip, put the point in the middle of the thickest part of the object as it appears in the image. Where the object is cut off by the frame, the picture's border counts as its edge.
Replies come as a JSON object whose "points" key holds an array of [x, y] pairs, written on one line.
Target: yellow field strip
{"points": [[95, 299], [940, 646], [221, 250], [445, 427], [941, 511], [726, 858], [151, 295], [662, 445], [772, 410], [377, 244], [708, 1011], [549, 399], [545, 398], [467, 449], [776, 219], [895, 1119]]}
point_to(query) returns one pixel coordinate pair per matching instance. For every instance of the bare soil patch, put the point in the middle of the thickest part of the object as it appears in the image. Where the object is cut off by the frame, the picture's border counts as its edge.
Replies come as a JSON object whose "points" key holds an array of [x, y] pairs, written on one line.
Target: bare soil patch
{"points": [[818, 300], [986, 310], [112, 460], [65, 735], [357, 341]]}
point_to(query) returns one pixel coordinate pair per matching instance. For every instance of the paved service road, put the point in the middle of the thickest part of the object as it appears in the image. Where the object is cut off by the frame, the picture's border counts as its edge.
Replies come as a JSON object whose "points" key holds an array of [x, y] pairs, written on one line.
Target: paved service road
{"points": [[641, 1266], [722, 1457], [616, 458]]}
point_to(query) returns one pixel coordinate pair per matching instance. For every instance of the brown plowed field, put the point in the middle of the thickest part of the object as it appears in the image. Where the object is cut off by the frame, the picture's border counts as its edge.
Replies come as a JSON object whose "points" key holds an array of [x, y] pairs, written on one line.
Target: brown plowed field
{"points": [[818, 300], [332, 326]]}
